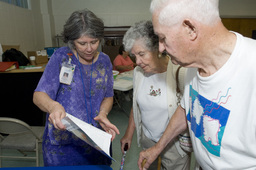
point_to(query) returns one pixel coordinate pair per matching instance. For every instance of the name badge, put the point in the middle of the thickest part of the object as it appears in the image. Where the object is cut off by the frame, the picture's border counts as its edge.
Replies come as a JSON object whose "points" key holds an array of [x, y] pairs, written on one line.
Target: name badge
{"points": [[67, 73]]}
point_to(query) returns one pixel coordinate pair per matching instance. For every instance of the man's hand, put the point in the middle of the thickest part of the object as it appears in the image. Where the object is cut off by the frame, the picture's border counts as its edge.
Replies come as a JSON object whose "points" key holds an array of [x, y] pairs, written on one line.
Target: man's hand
{"points": [[147, 157]]}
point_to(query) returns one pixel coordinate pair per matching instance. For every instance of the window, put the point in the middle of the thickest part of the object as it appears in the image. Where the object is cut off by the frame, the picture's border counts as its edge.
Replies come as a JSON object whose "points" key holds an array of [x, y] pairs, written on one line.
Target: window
{"points": [[19, 3]]}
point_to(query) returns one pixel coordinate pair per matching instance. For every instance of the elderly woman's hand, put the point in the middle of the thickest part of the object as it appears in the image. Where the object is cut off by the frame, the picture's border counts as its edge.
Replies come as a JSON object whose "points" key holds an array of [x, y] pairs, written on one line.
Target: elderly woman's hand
{"points": [[125, 140], [107, 125]]}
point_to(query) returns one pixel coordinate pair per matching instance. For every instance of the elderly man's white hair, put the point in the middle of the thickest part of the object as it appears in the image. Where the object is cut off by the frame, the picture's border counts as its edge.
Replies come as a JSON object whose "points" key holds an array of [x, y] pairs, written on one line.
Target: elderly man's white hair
{"points": [[175, 11]]}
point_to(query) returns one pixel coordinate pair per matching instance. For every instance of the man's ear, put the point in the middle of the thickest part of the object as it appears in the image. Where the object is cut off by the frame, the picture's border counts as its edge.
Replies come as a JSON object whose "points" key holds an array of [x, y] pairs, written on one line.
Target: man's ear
{"points": [[191, 29]]}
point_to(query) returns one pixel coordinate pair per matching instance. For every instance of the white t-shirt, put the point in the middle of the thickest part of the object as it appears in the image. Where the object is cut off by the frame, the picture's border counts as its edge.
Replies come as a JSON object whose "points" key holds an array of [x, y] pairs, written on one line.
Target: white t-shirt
{"points": [[152, 99], [221, 111]]}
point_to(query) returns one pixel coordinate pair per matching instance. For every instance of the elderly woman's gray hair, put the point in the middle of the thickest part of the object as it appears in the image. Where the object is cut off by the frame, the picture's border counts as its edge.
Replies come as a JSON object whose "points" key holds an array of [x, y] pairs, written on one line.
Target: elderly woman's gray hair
{"points": [[82, 23], [142, 31]]}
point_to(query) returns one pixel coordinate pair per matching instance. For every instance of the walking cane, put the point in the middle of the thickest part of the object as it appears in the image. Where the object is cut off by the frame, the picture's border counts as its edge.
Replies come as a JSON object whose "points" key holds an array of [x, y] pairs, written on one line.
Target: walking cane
{"points": [[123, 158]]}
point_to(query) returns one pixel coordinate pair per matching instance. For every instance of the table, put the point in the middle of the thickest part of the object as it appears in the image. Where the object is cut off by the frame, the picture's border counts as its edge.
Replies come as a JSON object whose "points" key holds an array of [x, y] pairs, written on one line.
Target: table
{"points": [[90, 167], [123, 83], [39, 69]]}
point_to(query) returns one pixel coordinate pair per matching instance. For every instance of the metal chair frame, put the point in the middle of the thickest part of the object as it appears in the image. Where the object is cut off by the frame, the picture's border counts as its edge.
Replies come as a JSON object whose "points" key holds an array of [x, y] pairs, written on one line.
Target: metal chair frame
{"points": [[16, 134]]}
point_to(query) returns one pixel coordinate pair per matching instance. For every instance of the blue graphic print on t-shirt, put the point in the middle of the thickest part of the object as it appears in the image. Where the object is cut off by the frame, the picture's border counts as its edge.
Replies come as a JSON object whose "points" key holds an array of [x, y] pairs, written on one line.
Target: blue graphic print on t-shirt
{"points": [[208, 119]]}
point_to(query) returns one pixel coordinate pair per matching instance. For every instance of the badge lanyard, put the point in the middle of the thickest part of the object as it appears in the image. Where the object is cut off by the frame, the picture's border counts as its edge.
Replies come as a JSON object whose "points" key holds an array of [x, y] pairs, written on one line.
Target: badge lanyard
{"points": [[89, 115]]}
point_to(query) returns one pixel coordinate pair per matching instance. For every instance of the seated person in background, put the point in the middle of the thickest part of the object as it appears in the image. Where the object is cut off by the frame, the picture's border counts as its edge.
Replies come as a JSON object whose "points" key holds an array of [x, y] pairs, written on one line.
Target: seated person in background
{"points": [[122, 61]]}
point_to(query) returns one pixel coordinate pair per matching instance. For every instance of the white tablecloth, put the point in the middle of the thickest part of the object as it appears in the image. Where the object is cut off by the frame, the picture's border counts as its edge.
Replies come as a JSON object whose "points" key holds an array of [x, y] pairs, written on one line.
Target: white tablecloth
{"points": [[124, 81]]}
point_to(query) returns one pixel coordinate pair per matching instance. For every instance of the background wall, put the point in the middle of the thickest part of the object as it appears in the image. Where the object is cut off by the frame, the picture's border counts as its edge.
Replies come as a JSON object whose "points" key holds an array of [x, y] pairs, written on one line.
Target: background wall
{"points": [[19, 26], [36, 28]]}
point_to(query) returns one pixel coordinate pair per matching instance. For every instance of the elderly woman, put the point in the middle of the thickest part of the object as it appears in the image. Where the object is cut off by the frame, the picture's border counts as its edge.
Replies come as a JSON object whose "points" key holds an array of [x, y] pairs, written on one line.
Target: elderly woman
{"points": [[86, 92], [155, 97]]}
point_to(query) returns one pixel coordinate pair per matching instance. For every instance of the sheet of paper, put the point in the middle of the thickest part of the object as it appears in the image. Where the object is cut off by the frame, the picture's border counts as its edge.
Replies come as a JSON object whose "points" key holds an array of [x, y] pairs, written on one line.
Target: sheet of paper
{"points": [[31, 68], [95, 137]]}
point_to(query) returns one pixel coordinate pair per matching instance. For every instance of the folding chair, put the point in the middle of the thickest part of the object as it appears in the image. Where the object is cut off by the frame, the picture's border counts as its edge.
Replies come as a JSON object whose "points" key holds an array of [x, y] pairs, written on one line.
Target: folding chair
{"points": [[16, 134]]}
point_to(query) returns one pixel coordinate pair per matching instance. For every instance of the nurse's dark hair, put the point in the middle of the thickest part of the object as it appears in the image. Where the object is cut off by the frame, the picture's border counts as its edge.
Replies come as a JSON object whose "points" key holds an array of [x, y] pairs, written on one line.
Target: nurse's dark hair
{"points": [[142, 31], [80, 23]]}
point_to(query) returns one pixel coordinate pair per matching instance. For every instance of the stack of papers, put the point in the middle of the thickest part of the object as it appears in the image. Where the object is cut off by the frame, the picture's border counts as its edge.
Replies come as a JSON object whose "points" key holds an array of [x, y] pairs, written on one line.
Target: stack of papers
{"points": [[7, 66], [95, 137]]}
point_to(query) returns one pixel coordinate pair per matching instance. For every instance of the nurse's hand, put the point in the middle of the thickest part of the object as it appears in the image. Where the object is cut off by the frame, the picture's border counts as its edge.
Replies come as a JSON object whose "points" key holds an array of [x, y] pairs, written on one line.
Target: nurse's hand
{"points": [[107, 125], [57, 112]]}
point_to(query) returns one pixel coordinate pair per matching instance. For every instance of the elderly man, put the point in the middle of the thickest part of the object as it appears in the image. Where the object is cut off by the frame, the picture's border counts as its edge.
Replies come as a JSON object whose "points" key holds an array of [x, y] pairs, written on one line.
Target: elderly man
{"points": [[220, 87]]}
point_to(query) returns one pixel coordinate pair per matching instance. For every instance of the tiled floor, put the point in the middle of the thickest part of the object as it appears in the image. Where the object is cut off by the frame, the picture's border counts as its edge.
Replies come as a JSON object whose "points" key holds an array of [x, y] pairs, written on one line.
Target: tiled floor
{"points": [[118, 117], [19, 162]]}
